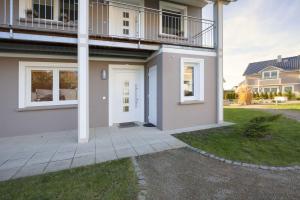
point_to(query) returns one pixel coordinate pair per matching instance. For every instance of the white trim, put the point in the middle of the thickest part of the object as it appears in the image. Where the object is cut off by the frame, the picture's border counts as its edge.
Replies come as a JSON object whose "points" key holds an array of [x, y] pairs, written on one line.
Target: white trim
{"points": [[270, 72], [111, 68], [39, 38], [198, 80], [263, 88], [181, 51], [188, 52], [174, 7], [270, 68], [25, 55], [150, 98], [67, 40], [123, 45], [25, 80]]}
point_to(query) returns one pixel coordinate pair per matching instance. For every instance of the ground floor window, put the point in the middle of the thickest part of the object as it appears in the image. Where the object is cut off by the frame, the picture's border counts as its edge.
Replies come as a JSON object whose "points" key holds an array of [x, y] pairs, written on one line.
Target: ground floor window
{"points": [[287, 89], [43, 84], [269, 90], [192, 79]]}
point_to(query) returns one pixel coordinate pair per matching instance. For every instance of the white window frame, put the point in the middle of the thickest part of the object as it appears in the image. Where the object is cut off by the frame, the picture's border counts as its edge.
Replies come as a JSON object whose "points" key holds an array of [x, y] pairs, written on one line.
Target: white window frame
{"points": [[27, 4], [270, 72], [174, 7], [25, 69], [198, 80], [285, 86], [277, 89]]}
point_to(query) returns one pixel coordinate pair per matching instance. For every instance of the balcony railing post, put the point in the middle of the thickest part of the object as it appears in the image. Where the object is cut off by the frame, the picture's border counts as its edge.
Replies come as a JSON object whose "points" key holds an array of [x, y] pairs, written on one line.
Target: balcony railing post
{"points": [[139, 24], [11, 17]]}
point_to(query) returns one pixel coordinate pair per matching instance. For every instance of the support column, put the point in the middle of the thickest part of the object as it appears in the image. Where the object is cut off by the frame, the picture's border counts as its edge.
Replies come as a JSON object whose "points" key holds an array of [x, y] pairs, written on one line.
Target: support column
{"points": [[83, 71], [218, 40]]}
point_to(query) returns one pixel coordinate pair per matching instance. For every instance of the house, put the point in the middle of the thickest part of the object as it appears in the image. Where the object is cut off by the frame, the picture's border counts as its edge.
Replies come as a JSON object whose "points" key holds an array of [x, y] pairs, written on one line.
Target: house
{"points": [[278, 75], [68, 64]]}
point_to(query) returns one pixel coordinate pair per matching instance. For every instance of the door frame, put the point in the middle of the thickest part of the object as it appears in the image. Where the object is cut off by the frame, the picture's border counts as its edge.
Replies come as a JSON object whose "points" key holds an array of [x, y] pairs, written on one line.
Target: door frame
{"points": [[154, 67], [111, 72]]}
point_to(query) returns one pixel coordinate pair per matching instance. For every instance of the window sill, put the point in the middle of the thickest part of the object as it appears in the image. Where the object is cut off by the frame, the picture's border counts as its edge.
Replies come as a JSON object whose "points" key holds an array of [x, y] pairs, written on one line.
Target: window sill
{"points": [[56, 107], [190, 102]]}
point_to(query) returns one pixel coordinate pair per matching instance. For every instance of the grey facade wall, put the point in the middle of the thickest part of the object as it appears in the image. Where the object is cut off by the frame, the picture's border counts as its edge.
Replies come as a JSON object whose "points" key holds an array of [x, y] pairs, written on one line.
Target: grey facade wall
{"points": [[170, 113], [14, 122], [176, 115]]}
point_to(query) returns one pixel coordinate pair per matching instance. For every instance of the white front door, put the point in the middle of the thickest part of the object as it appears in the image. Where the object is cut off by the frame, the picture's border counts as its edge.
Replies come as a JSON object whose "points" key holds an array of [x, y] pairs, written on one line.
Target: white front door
{"points": [[126, 94], [152, 118]]}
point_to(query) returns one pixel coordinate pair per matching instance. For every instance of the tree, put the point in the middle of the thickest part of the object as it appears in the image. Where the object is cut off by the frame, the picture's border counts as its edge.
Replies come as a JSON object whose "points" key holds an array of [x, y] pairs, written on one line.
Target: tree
{"points": [[245, 95]]}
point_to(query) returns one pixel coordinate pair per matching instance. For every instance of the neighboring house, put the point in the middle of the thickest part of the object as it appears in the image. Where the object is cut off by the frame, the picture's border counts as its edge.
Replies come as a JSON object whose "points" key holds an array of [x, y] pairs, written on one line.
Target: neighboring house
{"points": [[278, 75], [75, 63]]}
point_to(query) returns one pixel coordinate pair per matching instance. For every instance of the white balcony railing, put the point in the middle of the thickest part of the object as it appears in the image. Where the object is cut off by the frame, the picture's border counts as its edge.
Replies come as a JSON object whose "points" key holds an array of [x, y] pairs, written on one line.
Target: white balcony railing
{"points": [[111, 20]]}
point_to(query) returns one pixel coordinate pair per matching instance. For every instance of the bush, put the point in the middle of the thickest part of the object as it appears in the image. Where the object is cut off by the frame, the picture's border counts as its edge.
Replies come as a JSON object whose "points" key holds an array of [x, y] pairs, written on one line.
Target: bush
{"points": [[289, 95], [259, 127]]}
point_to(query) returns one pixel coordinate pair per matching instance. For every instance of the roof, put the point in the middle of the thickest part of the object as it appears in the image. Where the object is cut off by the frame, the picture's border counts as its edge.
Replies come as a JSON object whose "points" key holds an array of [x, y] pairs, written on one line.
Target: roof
{"points": [[287, 64]]}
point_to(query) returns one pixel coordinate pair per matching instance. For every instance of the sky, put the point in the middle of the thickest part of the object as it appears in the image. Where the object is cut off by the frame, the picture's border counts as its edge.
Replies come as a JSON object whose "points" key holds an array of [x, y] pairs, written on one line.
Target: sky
{"points": [[256, 30]]}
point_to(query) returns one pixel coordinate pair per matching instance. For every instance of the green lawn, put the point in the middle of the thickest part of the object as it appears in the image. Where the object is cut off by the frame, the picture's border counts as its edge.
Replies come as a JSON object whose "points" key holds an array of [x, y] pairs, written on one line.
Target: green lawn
{"points": [[112, 181], [282, 148], [295, 107]]}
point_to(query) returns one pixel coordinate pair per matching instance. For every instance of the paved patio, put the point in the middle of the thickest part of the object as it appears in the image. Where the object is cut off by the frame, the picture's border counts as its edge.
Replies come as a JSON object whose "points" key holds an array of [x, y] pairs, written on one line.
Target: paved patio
{"points": [[37, 154]]}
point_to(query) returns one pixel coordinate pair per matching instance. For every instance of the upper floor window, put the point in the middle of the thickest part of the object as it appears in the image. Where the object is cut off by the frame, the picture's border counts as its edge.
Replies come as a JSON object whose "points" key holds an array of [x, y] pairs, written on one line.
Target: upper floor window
{"points": [[270, 75], [173, 20], [43, 9], [68, 10]]}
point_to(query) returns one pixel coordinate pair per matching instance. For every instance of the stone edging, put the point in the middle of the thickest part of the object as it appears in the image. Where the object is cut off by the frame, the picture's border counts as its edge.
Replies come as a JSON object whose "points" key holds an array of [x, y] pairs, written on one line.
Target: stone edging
{"points": [[141, 180], [264, 167]]}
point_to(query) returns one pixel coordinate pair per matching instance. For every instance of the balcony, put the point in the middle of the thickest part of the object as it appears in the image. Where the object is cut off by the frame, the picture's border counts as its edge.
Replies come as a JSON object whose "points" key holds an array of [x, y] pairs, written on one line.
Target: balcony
{"points": [[110, 20], [263, 82]]}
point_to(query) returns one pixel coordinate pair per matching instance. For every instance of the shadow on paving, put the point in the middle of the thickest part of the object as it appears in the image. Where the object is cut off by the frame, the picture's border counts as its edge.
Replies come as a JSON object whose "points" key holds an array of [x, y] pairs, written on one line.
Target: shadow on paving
{"points": [[184, 174]]}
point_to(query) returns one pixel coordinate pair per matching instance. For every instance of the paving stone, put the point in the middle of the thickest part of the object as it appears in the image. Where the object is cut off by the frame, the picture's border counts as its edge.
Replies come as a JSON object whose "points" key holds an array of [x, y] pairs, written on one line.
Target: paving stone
{"points": [[143, 149], [13, 163], [62, 156], [31, 170], [160, 146], [58, 165], [6, 174], [83, 161], [105, 156], [40, 158], [126, 152]]}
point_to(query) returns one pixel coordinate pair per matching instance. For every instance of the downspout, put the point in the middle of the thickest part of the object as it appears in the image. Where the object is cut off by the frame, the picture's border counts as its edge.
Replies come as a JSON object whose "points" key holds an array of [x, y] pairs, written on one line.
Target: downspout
{"points": [[11, 18]]}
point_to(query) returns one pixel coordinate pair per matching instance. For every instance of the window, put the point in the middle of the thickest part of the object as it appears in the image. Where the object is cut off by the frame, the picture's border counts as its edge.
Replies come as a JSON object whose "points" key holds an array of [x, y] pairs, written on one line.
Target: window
{"points": [[172, 20], [44, 84], [269, 90], [192, 79], [270, 75], [126, 23], [68, 10], [43, 9], [288, 89], [255, 90]]}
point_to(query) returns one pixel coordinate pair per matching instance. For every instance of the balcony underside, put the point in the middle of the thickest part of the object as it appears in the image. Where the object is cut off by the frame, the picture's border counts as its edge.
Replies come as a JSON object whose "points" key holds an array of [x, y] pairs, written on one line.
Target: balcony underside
{"points": [[70, 50]]}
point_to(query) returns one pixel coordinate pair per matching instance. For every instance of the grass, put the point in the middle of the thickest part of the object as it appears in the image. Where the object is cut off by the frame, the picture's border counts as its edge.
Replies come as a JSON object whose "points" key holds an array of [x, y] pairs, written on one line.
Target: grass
{"points": [[295, 107], [112, 181], [281, 149]]}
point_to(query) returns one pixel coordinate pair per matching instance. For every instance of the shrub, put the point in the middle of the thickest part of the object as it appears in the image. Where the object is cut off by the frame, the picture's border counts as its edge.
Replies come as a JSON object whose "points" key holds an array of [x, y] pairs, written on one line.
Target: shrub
{"points": [[259, 127], [244, 95]]}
